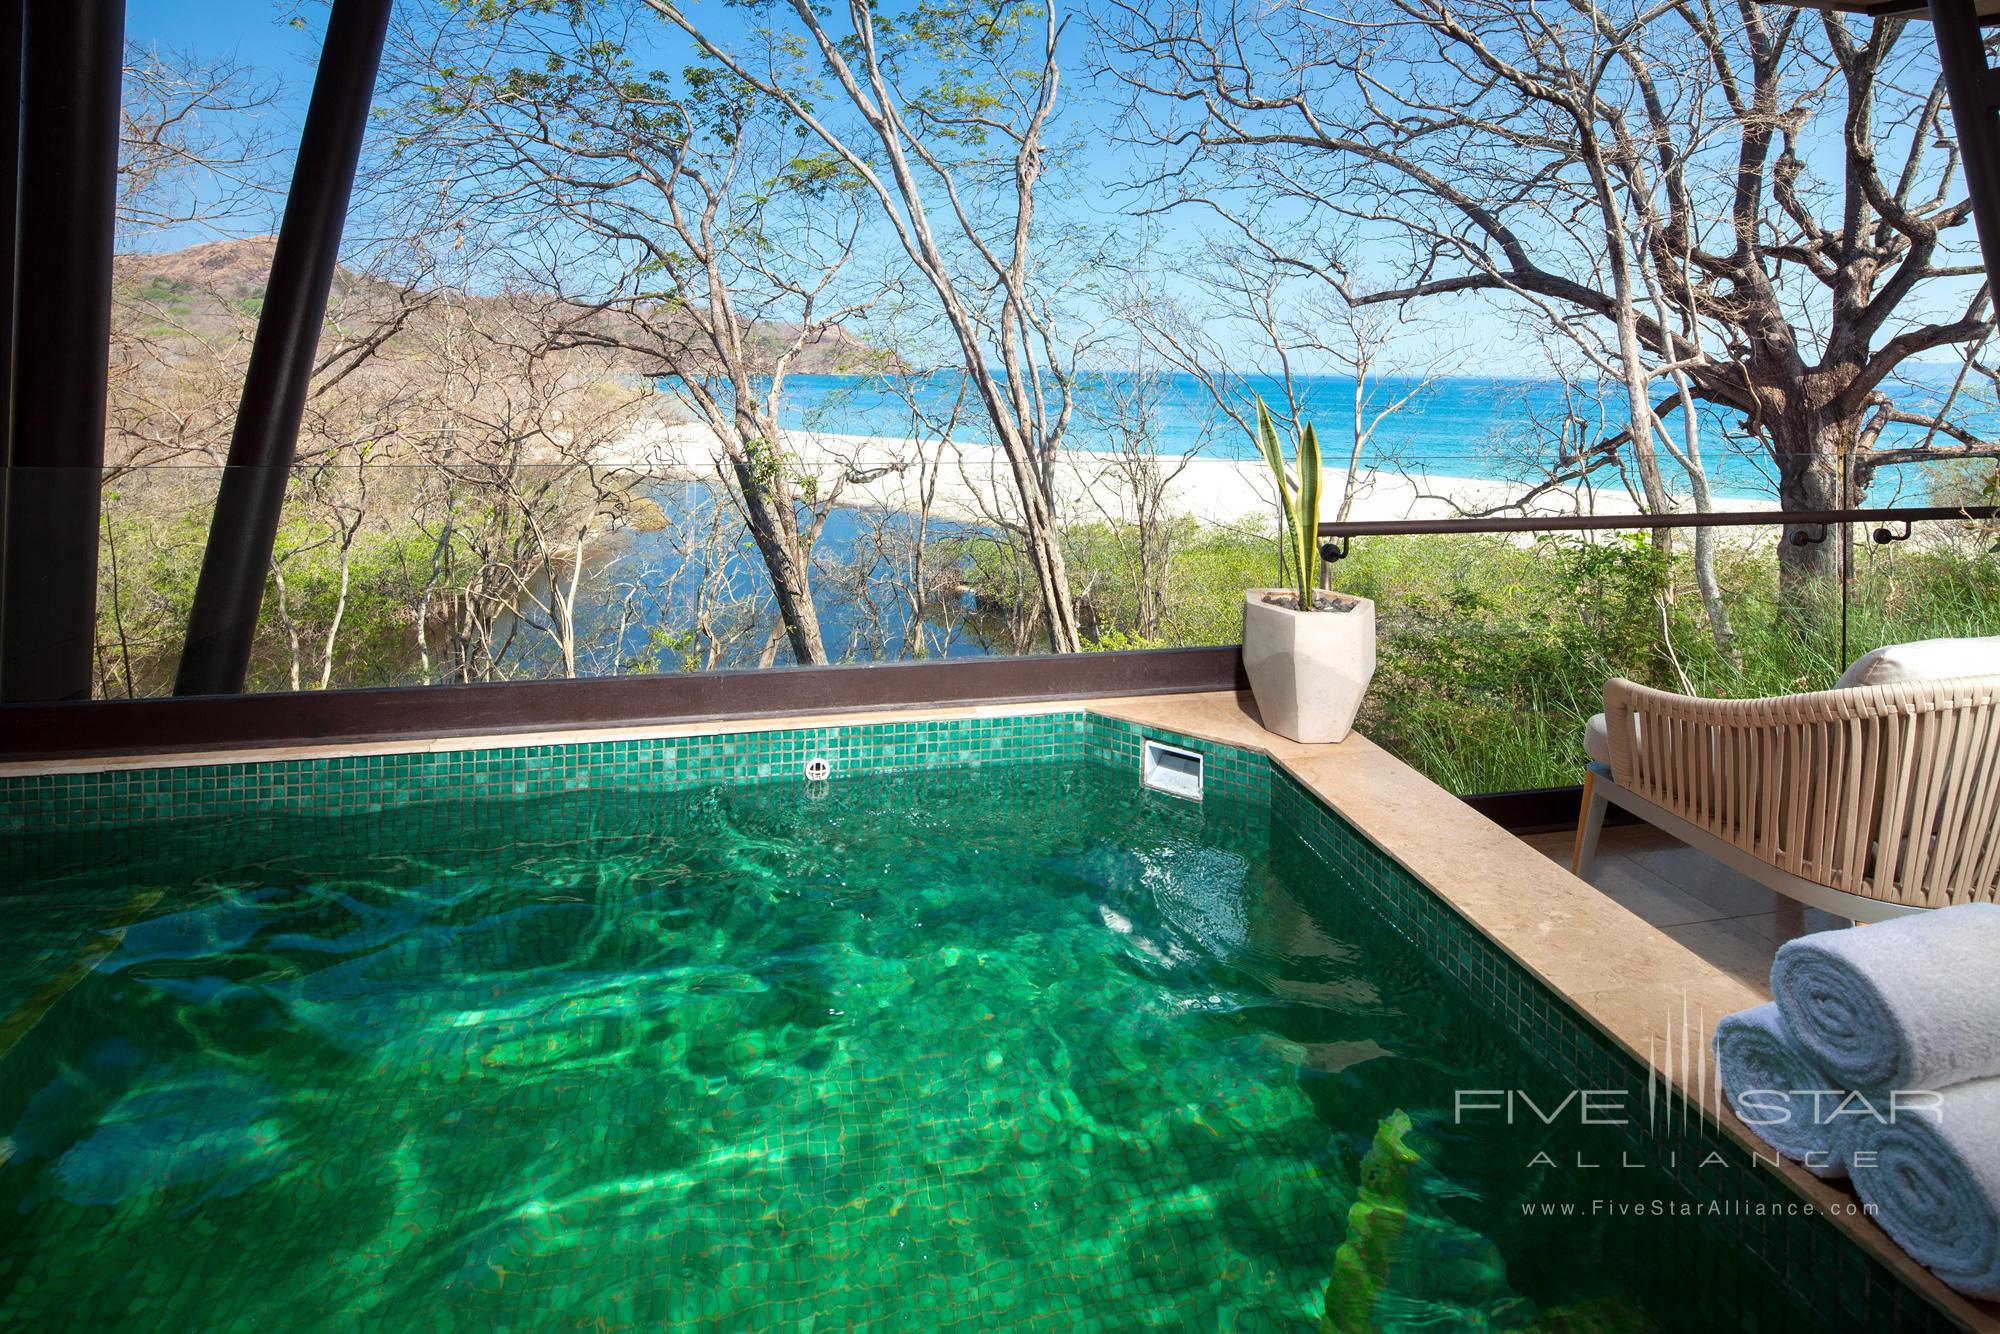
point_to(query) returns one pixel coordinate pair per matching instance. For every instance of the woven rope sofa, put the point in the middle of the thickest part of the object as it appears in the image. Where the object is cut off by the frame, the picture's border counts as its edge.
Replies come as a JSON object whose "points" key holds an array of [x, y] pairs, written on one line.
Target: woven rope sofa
{"points": [[1869, 801]]}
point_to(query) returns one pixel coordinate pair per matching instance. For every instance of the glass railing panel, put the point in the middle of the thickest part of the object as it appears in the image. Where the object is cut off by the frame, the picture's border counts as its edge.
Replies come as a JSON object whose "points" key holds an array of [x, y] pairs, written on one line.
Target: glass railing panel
{"points": [[485, 568], [394, 574], [1934, 580], [152, 529], [1494, 648]]}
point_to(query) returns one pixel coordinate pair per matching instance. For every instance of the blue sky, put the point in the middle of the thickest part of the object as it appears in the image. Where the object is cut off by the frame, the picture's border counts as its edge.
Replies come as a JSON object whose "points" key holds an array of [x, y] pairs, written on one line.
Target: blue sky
{"points": [[280, 40], [256, 32]]}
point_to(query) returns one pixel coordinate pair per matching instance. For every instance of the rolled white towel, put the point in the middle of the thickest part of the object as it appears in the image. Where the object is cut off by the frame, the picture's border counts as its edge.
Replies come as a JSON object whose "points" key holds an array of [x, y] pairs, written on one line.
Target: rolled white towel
{"points": [[1771, 1082], [1912, 1003], [1935, 1183]]}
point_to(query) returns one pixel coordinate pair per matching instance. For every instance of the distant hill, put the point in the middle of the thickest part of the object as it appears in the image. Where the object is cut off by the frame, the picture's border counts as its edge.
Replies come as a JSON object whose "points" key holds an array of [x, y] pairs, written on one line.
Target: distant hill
{"points": [[201, 282], [228, 269]]}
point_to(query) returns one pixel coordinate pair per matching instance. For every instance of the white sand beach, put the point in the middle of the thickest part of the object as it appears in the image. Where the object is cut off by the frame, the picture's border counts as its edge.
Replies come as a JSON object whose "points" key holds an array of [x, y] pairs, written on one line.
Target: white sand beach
{"points": [[972, 482]]}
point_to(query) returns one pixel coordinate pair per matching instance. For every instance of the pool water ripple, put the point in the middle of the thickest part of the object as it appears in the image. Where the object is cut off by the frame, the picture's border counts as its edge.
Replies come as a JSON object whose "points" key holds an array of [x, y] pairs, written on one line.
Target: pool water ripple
{"points": [[1011, 1049]]}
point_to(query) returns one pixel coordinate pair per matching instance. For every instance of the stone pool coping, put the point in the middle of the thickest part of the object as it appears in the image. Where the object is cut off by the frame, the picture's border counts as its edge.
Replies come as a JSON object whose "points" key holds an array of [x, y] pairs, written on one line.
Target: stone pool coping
{"points": [[1636, 985]]}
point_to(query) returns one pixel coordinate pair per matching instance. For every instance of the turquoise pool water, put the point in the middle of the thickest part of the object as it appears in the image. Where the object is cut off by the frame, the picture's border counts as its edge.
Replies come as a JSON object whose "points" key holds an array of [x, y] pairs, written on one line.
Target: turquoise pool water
{"points": [[1014, 1048]]}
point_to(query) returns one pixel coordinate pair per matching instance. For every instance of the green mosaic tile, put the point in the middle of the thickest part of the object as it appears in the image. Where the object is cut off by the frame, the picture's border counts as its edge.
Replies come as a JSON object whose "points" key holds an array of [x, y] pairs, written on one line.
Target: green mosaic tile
{"points": [[373, 783], [1750, 1209]]}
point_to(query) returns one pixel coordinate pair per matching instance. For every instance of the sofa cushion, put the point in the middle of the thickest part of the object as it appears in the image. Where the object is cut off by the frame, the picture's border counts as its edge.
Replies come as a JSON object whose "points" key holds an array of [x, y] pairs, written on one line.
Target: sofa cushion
{"points": [[1597, 737], [1597, 740], [1924, 660]]}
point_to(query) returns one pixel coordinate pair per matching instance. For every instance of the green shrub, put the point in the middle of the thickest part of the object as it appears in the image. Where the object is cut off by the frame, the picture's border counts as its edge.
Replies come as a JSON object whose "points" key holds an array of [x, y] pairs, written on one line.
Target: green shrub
{"points": [[1494, 652]]}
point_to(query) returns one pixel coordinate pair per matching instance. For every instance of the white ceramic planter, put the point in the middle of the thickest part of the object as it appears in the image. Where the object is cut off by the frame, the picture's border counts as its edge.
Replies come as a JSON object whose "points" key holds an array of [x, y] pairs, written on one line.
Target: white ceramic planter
{"points": [[1308, 670]]}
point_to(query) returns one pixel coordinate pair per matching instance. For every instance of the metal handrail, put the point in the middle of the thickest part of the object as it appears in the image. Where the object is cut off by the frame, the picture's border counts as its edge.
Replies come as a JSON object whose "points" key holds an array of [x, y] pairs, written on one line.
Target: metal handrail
{"points": [[1334, 537], [1532, 809]]}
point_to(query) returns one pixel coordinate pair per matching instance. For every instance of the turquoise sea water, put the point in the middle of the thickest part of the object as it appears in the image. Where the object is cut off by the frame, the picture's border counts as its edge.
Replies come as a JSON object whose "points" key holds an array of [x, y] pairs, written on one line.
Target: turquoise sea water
{"points": [[1485, 427], [1016, 1048]]}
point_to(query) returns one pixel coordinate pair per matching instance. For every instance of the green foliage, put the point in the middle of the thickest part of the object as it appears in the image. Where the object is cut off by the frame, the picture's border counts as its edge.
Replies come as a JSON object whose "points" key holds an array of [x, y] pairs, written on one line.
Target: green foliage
{"points": [[761, 458], [172, 300], [1300, 502], [666, 651], [150, 549], [1493, 653], [963, 69], [1210, 571], [499, 11], [1114, 640], [817, 175], [376, 640]]}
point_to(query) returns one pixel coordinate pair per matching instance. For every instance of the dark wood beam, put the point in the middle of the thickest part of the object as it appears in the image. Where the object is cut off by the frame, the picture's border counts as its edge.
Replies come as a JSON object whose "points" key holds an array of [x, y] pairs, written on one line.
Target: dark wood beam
{"points": [[236, 562], [418, 713], [70, 87], [1968, 82], [13, 32], [1988, 10]]}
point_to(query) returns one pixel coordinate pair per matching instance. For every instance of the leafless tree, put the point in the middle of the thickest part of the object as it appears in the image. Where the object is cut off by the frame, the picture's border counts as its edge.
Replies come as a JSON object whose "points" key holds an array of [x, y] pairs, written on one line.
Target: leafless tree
{"points": [[943, 115], [193, 145], [1131, 478], [337, 495], [1387, 376], [193, 155], [509, 438], [901, 582], [1650, 168], [1257, 310], [673, 215]]}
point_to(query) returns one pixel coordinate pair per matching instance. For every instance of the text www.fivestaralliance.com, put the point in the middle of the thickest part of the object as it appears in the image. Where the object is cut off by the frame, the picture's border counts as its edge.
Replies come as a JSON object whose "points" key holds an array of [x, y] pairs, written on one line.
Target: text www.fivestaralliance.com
{"points": [[1686, 1208]]}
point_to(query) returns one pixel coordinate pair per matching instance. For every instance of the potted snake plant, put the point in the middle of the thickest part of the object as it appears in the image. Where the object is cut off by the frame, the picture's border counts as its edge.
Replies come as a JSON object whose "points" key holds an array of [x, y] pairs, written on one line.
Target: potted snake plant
{"points": [[1309, 652]]}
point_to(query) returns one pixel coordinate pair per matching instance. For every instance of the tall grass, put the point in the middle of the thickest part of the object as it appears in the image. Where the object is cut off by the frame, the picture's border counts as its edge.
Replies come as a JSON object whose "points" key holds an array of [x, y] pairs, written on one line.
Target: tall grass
{"points": [[1494, 652]]}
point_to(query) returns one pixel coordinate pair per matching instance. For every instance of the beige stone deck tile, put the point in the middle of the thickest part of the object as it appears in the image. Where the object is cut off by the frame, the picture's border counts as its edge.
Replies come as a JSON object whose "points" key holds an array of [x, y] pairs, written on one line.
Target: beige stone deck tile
{"points": [[1702, 877], [1739, 946], [1223, 716], [1555, 844], [1646, 896], [1667, 1024]]}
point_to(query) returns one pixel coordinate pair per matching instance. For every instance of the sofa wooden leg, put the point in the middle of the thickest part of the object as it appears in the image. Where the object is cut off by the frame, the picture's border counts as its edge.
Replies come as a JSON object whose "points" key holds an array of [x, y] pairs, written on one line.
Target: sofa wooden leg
{"points": [[1589, 825]]}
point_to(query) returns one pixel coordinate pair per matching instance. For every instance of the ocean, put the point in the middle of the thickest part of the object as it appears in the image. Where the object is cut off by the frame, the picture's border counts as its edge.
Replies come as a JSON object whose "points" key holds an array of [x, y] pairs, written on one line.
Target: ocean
{"points": [[1490, 428]]}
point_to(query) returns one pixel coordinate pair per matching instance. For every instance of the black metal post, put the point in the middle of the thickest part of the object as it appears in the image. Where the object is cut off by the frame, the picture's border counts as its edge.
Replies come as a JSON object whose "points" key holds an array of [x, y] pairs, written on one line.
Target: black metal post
{"points": [[70, 83], [227, 597], [1970, 85]]}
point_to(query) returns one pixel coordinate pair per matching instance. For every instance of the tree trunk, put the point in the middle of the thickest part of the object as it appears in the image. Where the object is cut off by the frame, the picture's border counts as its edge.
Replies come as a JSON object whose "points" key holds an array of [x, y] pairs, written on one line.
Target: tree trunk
{"points": [[1705, 582], [775, 531], [1639, 419], [1807, 453], [768, 511], [1045, 554]]}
